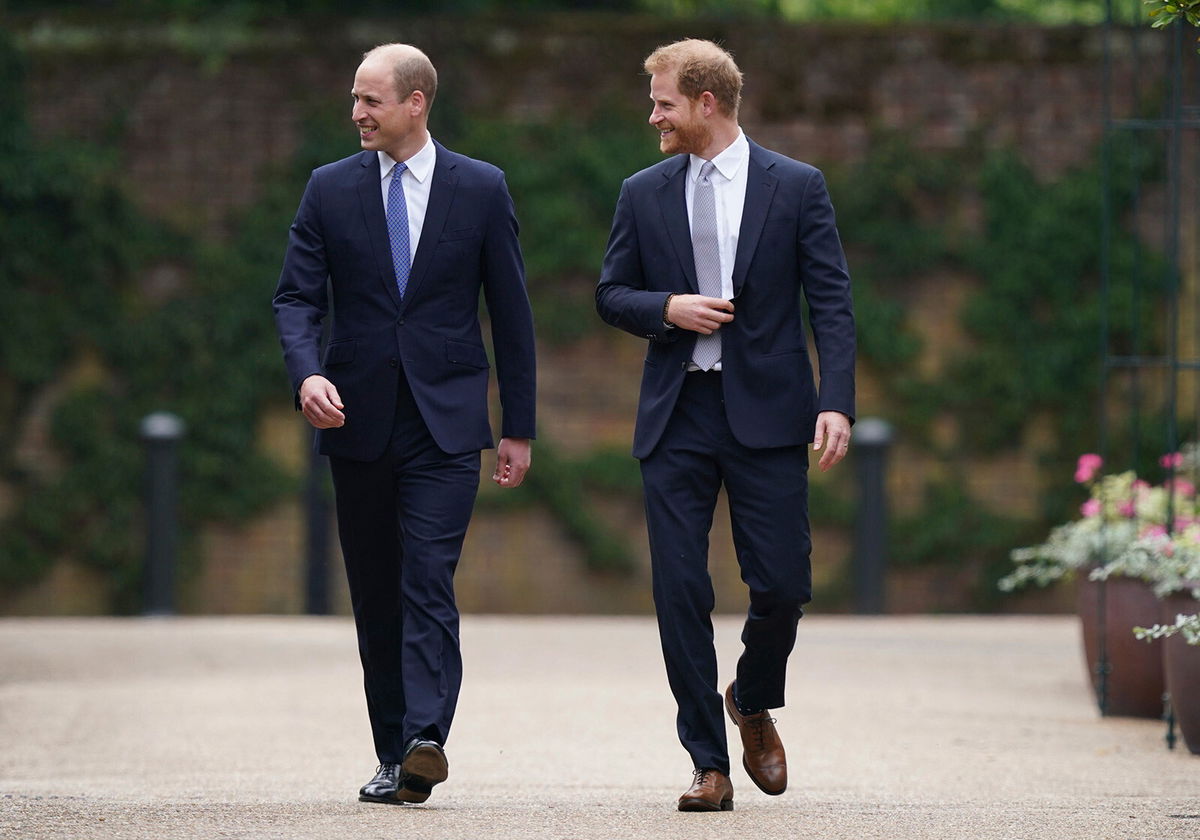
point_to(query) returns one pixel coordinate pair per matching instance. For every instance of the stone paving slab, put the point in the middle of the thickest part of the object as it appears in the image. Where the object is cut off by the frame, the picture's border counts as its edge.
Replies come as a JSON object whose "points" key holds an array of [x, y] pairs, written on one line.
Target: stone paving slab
{"points": [[254, 727]]}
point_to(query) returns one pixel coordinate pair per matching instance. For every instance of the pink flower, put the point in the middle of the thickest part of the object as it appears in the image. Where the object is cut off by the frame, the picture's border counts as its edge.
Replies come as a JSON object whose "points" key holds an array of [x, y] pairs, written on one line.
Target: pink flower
{"points": [[1154, 531], [1085, 469], [1090, 508], [1172, 460], [1126, 509], [1183, 487]]}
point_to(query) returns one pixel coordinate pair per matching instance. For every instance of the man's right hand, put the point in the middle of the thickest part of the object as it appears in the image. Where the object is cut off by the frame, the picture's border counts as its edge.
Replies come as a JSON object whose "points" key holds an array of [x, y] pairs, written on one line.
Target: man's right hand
{"points": [[320, 403], [698, 313]]}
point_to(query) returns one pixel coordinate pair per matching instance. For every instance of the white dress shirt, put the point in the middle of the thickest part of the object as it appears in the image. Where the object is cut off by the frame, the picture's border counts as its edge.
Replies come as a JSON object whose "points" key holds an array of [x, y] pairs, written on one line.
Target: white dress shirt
{"points": [[416, 181]]}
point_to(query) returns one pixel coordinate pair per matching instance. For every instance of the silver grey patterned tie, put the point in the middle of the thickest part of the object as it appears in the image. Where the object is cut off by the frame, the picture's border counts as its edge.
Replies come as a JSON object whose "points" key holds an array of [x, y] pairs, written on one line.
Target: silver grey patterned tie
{"points": [[706, 251]]}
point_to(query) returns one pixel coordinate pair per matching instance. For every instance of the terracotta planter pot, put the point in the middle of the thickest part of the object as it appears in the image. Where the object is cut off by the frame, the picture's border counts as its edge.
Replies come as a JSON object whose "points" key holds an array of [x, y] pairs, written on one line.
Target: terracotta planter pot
{"points": [[1181, 662], [1135, 684]]}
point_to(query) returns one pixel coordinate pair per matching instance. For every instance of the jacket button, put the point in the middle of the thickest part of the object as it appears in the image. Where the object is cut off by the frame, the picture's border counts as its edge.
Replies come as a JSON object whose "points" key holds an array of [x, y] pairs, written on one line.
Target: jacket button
{"points": [[400, 322], [392, 362], [683, 366]]}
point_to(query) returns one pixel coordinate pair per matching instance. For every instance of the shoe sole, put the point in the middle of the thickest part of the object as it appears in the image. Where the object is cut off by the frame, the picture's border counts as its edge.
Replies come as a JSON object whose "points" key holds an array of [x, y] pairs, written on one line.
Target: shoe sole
{"points": [[382, 800], [426, 764], [407, 794], [695, 805], [745, 764]]}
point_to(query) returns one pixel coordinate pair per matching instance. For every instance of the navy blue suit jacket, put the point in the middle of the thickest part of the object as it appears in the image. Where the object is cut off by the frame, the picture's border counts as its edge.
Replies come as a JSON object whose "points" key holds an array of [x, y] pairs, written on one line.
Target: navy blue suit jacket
{"points": [[468, 242], [788, 246]]}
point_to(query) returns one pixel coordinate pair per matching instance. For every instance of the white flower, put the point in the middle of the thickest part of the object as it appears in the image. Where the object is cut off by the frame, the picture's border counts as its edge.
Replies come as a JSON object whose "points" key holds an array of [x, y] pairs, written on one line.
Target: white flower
{"points": [[1188, 625]]}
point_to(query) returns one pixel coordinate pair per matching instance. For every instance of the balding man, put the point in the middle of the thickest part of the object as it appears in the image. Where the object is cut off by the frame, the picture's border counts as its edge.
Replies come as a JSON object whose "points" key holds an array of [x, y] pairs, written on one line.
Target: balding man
{"points": [[397, 241]]}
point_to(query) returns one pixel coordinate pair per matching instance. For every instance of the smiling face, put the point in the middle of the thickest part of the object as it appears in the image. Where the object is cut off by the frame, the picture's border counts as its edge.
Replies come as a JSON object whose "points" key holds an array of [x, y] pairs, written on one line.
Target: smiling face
{"points": [[680, 122], [385, 122]]}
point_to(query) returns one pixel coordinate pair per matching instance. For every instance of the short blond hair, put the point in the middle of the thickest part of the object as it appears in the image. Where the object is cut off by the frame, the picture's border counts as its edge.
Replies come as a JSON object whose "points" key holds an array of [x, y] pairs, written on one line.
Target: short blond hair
{"points": [[700, 66], [411, 70]]}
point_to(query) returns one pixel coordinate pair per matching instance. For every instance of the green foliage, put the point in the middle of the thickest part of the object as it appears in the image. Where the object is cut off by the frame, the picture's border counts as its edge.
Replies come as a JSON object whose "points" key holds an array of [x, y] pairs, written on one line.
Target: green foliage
{"points": [[118, 316], [872, 11], [896, 213], [890, 211], [282, 8], [1034, 322], [610, 471], [564, 177], [115, 317], [951, 528], [1037, 320], [561, 489], [569, 488], [888, 11], [1163, 13]]}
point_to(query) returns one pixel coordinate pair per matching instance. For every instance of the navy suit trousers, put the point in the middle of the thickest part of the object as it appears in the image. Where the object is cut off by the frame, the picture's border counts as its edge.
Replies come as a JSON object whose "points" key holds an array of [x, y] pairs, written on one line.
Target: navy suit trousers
{"points": [[768, 505], [401, 520]]}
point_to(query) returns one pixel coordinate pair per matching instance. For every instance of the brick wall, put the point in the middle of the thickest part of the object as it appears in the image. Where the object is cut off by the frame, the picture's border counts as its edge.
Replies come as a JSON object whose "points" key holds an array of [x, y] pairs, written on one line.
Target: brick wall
{"points": [[201, 127]]}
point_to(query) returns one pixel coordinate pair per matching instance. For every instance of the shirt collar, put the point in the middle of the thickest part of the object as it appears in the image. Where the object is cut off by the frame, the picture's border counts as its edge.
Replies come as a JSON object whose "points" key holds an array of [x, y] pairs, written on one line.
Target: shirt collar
{"points": [[420, 164], [729, 162]]}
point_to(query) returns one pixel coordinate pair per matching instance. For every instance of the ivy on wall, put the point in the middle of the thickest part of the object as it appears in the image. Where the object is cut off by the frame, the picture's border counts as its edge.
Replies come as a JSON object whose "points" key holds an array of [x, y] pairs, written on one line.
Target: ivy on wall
{"points": [[1033, 318], [1032, 322], [874, 11], [1037, 318], [116, 316], [564, 177], [112, 317], [568, 489]]}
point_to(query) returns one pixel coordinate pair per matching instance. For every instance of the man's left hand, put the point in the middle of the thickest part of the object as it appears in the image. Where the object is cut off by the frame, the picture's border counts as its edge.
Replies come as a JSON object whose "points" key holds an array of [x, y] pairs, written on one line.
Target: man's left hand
{"points": [[833, 432], [512, 461]]}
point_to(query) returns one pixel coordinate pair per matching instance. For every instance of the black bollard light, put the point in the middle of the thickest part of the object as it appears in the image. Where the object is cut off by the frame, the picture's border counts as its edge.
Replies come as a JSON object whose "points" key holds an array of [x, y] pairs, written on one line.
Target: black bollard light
{"points": [[316, 503], [161, 433], [872, 439]]}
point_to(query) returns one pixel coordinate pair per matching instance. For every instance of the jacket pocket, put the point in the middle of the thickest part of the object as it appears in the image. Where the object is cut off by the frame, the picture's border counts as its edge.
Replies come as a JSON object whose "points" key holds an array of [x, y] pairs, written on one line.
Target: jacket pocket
{"points": [[464, 353], [459, 233], [340, 352], [799, 351]]}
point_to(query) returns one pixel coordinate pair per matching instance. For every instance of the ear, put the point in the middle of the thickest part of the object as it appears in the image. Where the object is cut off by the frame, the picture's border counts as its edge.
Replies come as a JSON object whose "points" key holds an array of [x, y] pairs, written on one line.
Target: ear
{"points": [[708, 103], [417, 103]]}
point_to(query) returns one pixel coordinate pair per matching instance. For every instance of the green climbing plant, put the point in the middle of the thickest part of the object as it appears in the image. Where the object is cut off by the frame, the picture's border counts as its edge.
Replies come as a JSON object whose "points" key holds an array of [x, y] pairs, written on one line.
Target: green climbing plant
{"points": [[116, 316], [1163, 13]]}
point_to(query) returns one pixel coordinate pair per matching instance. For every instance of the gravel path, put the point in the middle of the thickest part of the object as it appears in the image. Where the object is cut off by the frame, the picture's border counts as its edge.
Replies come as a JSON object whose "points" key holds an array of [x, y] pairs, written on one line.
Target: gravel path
{"points": [[255, 727]]}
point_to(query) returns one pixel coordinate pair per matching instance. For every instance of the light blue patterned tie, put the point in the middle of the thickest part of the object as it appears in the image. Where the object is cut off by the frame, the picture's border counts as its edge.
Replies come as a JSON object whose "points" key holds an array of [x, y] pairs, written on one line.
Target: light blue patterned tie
{"points": [[706, 251], [397, 224]]}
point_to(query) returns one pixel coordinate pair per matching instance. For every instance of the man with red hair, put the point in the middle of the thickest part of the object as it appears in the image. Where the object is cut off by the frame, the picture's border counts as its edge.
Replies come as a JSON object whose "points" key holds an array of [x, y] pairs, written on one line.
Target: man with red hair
{"points": [[711, 253]]}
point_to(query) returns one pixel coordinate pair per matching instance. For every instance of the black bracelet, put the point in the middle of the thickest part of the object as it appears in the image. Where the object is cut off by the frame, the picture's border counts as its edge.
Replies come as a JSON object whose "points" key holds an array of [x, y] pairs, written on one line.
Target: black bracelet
{"points": [[666, 306]]}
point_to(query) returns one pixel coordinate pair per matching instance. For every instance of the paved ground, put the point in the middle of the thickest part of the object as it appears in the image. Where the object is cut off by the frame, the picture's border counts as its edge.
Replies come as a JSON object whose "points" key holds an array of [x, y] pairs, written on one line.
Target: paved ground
{"points": [[255, 728]]}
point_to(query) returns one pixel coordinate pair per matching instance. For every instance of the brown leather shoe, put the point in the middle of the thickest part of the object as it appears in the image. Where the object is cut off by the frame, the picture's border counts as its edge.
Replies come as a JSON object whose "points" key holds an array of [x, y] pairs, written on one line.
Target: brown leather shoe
{"points": [[762, 754], [711, 790]]}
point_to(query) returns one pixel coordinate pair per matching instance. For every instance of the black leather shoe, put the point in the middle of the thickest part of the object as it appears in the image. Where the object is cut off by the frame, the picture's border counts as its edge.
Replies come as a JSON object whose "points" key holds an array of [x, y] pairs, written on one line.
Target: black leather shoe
{"points": [[424, 766], [383, 787]]}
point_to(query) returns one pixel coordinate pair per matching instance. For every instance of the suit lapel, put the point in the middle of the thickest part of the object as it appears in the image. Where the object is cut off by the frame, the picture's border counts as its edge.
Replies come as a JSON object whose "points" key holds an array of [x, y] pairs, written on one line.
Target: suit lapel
{"points": [[370, 194], [760, 188], [672, 202], [441, 196]]}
